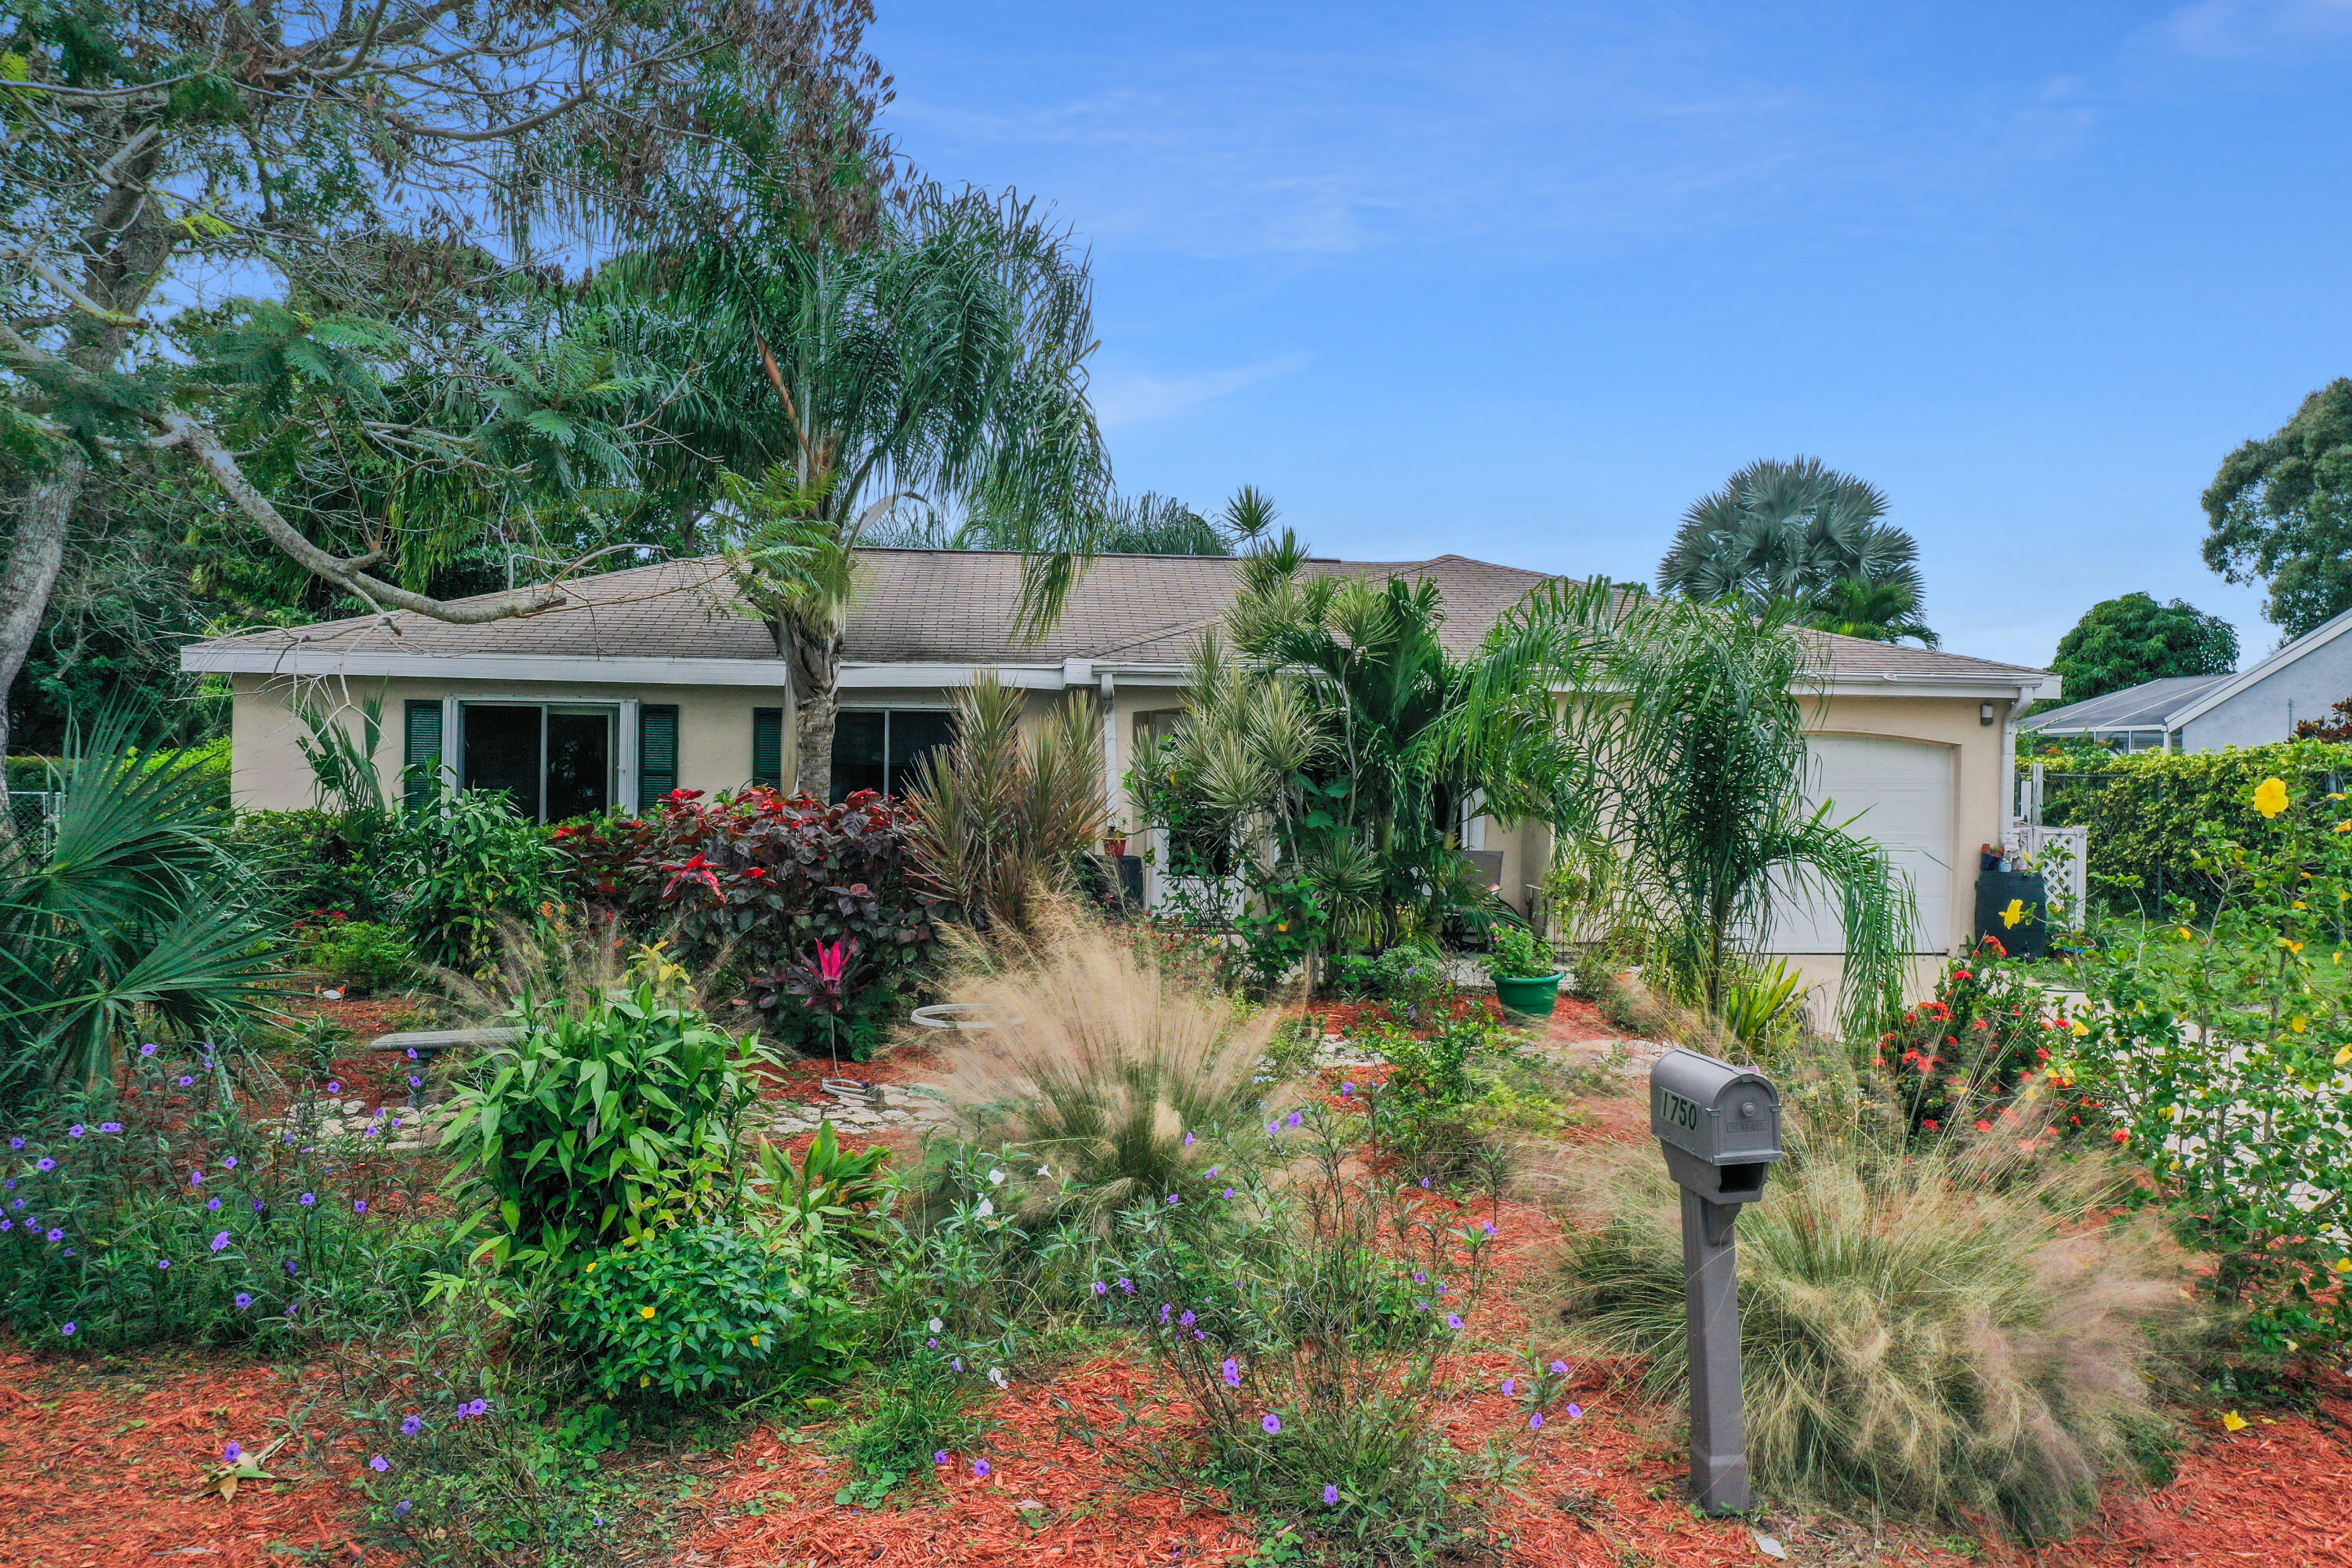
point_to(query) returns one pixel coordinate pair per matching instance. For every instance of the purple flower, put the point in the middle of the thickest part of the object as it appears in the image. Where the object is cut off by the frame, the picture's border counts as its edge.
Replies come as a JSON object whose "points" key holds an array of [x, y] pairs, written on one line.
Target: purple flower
{"points": [[1229, 1192], [165, 1263], [358, 1206], [310, 1198], [16, 1142], [76, 1130], [1272, 1423], [379, 1464], [1453, 1321], [1164, 1309], [1293, 1120], [334, 1086], [412, 1426], [1271, 1128], [147, 1050], [980, 1469], [1233, 1373], [230, 1164], [57, 1236], [213, 1207], [8, 1225], [186, 1080], [932, 1342], [195, 1178], [1488, 1227], [44, 1163], [257, 1205], [1212, 1172], [1190, 1140], [69, 1329], [1101, 1289], [478, 1407], [1534, 1422], [290, 1270], [1127, 1286], [220, 1242], [400, 1509], [1171, 1200], [412, 1053], [232, 1453], [1559, 1368], [940, 1457], [1510, 1386], [1331, 1496], [289, 1307], [1186, 1320], [956, 1362], [1576, 1413], [1347, 1091], [1419, 1277], [109, 1127], [1200, 1334], [415, 1081], [243, 1300], [1424, 1183]]}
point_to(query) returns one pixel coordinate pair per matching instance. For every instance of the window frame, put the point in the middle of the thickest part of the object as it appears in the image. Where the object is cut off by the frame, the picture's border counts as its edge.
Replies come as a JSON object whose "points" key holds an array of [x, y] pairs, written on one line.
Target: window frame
{"points": [[621, 775], [886, 710]]}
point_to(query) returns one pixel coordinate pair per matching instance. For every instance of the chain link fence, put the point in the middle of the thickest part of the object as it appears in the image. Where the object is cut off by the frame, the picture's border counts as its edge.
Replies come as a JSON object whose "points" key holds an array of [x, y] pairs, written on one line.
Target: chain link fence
{"points": [[33, 815]]}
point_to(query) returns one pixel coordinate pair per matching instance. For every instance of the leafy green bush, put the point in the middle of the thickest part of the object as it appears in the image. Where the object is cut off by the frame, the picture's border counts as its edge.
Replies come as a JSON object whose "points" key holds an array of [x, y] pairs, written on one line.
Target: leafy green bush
{"points": [[2220, 1049], [706, 1308], [1950, 1327], [462, 866], [308, 864], [161, 1214], [364, 954], [599, 1123], [1514, 952], [918, 1407], [2145, 811], [1422, 1116], [1409, 975]]}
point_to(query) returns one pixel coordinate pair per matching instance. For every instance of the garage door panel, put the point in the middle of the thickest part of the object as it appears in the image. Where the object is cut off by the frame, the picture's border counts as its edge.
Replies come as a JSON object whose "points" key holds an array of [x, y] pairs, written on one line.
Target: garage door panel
{"points": [[1897, 792]]}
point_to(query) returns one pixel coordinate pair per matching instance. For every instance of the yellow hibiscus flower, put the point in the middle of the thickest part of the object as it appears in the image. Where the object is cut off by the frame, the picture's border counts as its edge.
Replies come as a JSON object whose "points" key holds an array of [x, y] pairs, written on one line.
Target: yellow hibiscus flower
{"points": [[2269, 796]]}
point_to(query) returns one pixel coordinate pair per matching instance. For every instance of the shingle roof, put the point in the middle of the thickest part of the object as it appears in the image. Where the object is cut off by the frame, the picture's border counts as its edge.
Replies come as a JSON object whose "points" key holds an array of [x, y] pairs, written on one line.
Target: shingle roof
{"points": [[956, 607], [2143, 707]]}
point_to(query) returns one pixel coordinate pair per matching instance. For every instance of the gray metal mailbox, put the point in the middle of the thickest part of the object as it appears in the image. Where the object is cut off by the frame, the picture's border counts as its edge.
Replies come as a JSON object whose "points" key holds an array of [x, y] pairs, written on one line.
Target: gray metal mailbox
{"points": [[1719, 1126]]}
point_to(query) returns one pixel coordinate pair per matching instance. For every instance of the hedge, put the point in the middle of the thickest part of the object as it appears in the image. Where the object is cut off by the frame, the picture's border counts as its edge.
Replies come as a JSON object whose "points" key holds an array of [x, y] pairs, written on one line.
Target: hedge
{"points": [[2143, 810]]}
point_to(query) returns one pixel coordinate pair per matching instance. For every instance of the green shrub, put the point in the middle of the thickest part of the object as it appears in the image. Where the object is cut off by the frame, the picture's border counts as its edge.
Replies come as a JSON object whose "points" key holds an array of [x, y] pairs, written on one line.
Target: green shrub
{"points": [[1515, 953], [1422, 1115], [462, 866], [1970, 1044], [362, 954], [706, 1308], [1944, 1328], [599, 1123], [1409, 976], [305, 865], [918, 1407], [159, 1213]]}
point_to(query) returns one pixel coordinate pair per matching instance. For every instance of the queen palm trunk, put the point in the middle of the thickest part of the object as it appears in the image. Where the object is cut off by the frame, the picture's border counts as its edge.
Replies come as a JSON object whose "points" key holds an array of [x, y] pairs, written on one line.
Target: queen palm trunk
{"points": [[816, 686]]}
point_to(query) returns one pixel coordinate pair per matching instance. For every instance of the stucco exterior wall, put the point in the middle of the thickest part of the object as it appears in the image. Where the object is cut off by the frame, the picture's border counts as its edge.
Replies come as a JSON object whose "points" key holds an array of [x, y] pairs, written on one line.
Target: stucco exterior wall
{"points": [[267, 773], [2268, 711]]}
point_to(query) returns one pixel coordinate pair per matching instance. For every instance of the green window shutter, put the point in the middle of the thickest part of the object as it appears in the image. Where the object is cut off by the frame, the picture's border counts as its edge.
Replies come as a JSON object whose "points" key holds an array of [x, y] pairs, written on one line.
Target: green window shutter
{"points": [[420, 762], [768, 747], [656, 752]]}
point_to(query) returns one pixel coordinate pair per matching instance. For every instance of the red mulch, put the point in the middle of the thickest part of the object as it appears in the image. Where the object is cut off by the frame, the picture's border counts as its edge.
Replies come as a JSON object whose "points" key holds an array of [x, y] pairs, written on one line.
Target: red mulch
{"points": [[103, 1469]]}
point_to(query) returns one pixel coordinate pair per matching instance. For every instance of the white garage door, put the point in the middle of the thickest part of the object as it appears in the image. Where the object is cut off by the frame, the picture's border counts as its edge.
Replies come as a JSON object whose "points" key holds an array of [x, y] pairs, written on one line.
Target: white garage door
{"points": [[1900, 792]]}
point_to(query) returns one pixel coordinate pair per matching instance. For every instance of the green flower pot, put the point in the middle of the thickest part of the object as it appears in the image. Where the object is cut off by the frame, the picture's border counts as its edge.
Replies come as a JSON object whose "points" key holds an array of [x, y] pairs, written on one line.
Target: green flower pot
{"points": [[1531, 996]]}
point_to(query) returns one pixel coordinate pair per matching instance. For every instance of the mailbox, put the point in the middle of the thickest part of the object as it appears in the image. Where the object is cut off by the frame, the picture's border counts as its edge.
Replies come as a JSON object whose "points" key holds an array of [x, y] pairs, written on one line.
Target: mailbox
{"points": [[1719, 1125]]}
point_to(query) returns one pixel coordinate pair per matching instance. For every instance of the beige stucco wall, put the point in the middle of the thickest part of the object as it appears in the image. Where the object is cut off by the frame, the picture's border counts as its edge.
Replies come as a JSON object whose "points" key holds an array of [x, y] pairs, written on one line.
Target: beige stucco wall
{"points": [[267, 770]]}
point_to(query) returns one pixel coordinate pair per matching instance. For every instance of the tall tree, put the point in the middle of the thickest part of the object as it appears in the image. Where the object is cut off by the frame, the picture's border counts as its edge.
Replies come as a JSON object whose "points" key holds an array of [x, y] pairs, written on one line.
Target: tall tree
{"points": [[2280, 512], [2121, 642], [934, 348], [1878, 612], [154, 146], [1787, 530]]}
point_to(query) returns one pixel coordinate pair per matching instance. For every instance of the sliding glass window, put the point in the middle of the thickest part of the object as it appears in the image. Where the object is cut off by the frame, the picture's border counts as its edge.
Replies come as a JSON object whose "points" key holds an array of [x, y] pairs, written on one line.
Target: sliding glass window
{"points": [[877, 749], [553, 760]]}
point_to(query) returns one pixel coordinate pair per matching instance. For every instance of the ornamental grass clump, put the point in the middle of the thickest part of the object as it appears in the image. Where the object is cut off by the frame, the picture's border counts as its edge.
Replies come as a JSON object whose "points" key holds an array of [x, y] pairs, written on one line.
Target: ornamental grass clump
{"points": [[1104, 1066], [1947, 1327]]}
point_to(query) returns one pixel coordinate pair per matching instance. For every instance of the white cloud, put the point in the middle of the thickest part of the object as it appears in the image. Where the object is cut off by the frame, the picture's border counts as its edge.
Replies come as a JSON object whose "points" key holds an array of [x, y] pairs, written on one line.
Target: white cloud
{"points": [[2247, 28], [1132, 397]]}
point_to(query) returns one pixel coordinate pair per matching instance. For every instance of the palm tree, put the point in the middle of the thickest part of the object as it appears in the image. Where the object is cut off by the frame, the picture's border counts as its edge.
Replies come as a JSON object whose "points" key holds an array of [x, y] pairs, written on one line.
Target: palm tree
{"points": [[937, 351], [1787, 530], [1879, 612], [1703, 764]]}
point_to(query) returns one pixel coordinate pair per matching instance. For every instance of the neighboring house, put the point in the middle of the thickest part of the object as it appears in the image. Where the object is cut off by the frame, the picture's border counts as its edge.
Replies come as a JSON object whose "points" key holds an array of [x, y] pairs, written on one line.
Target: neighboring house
{"points": [[2262, 705], [649, 679]]}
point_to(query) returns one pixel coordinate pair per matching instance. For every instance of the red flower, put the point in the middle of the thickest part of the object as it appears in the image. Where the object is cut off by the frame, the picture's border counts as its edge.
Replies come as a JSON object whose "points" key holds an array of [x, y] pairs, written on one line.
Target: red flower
{"points": [[2121, 1136], [698, 869], [1962, 975], [1933, 1126], [1984, 1126]]}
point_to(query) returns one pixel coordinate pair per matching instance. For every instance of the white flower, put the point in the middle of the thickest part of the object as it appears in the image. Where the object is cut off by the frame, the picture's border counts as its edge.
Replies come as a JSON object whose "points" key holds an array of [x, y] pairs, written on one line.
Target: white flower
{"points": [[995, 1178], [987, 1207], [937, 1325], [1043, 1172], [996, 1375]]}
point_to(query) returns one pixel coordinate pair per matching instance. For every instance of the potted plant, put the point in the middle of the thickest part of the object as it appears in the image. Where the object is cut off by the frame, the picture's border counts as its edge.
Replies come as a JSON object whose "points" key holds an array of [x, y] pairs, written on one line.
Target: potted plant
{"points": [[1525, 977]]}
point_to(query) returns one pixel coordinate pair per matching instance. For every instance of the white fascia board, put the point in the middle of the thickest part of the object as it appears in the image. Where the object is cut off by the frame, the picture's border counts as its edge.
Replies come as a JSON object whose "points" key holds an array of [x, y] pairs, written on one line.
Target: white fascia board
{"points": [[2319, 637], [1067, 675], [215, 659], [2019, 688]]}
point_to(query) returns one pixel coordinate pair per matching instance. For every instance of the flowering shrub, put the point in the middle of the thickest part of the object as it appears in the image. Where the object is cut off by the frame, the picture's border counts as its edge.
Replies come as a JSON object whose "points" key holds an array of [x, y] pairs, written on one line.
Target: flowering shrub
{"points": [[705, 1309], [2220, 1049], [159, 1213], [1972, 1043], [757, 884]]}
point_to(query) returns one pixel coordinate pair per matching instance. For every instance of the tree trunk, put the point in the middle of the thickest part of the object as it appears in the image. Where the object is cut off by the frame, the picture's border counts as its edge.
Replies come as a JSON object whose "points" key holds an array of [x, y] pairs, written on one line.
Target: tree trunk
{"points": [[816, 675], [43, 510]]}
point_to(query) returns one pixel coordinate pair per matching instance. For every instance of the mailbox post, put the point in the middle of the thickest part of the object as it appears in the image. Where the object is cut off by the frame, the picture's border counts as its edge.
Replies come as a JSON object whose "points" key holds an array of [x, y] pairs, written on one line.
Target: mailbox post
{"points": [[1720, 1128]]}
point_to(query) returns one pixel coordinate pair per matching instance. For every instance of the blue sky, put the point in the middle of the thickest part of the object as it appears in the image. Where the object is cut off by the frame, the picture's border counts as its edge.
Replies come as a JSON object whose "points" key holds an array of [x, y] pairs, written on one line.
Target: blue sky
{"points": [[1522, 282]]}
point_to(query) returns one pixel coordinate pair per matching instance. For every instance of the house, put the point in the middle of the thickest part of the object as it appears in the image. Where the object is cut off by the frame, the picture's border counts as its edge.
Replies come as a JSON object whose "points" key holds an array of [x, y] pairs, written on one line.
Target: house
{"points": [[2301, 680], [649, 679]]}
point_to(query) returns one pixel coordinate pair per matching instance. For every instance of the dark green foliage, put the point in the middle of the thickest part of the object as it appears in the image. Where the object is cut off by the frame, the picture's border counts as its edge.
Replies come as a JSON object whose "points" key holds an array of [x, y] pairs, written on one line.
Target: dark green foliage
{"points": [[1514, 952], [598, 1124], [2119, 643], [1414, 976], [265, 1238], [131, 915], [751, 885], [1878, 612], [708, 1310], [360, 954], [304, 865], [461, 866], [919, 1408], [1791, 532], [2280, 512]]}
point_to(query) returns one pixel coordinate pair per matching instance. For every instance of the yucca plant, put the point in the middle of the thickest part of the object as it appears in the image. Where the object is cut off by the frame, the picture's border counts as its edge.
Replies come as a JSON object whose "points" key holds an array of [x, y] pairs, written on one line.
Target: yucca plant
{"points": [[129, 919]]}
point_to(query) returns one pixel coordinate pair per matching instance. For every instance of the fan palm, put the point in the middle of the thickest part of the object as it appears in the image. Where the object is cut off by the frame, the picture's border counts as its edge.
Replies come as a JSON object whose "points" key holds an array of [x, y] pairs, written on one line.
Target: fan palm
{"points": [[129, 915], [1787, 530], [1703, 760], [938, 354]]}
